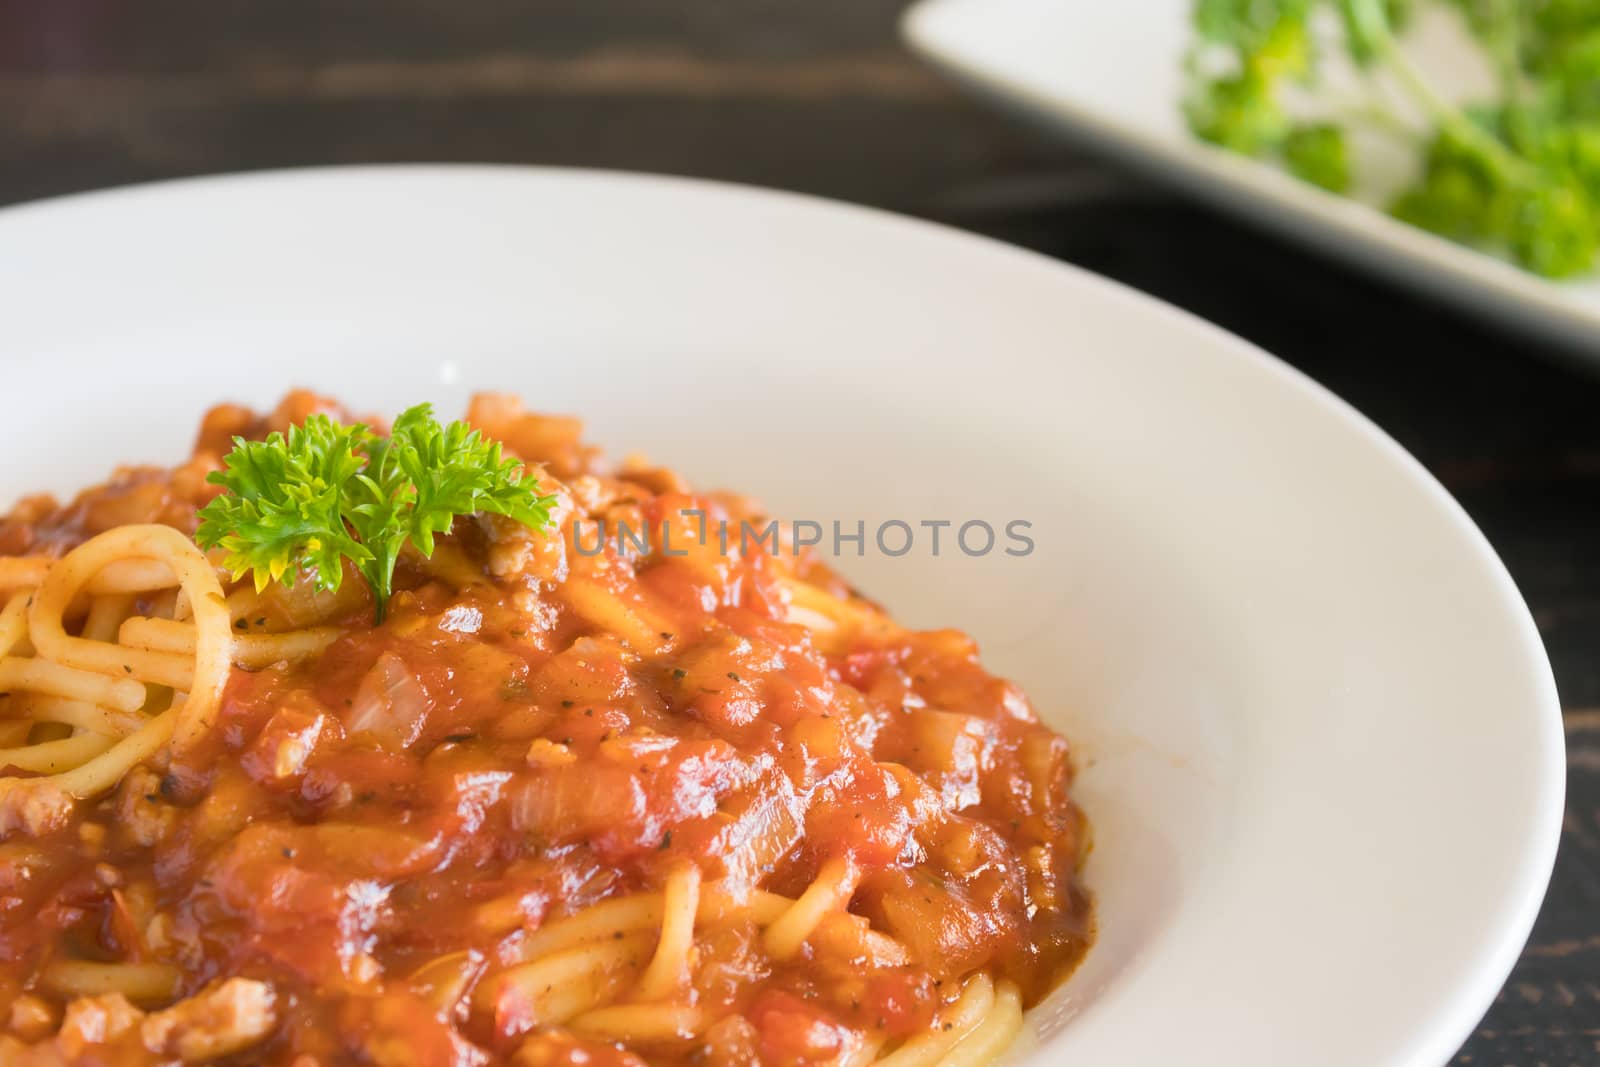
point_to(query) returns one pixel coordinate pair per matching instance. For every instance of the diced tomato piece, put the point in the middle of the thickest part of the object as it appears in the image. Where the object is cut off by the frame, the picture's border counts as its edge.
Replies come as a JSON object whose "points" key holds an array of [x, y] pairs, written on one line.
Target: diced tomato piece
{"points": [[795, 1033], [899, 1002]]}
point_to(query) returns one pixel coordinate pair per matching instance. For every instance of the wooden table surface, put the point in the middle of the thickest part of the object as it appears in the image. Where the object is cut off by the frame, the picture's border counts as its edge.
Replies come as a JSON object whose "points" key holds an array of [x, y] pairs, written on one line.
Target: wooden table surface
{"points": [[816, 95]]}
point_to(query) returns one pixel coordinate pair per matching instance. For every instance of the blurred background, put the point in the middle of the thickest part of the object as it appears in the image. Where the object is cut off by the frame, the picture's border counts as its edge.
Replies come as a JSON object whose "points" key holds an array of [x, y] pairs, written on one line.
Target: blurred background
{"points": [[819, 96]]}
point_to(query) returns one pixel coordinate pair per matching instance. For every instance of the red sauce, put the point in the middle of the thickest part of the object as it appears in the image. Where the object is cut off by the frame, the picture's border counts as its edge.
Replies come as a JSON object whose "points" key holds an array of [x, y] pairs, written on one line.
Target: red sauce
{"points": [[489, 760]]}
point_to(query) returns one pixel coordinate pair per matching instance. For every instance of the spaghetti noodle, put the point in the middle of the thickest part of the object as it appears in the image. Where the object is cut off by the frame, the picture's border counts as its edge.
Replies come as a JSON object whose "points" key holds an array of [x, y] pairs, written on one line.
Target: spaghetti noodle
{"points": [[625, 806]]}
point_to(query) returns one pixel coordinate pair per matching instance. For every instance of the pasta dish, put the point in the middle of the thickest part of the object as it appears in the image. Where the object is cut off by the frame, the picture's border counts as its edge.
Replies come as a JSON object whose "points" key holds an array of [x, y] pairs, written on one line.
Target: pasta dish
{"points": [[348, 745]]}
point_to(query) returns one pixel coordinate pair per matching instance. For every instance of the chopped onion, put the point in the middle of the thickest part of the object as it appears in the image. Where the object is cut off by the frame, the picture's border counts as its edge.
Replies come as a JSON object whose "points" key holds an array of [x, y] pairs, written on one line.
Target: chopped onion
{"points": [[390, 704], [305, 604]]}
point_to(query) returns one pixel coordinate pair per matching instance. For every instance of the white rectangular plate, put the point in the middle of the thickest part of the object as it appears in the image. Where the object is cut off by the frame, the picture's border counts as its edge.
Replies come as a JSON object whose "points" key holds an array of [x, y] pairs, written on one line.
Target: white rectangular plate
{"points": [[1110, 74]]}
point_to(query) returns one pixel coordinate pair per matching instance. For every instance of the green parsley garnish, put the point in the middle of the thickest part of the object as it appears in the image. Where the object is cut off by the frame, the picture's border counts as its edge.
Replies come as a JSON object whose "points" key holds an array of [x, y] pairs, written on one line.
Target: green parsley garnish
{"points": [[304, 502], [1518, 174]]}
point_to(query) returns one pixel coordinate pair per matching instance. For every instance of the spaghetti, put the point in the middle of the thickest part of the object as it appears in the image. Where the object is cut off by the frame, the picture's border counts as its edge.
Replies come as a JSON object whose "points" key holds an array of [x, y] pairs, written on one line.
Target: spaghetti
{"points": [[660, 803]]}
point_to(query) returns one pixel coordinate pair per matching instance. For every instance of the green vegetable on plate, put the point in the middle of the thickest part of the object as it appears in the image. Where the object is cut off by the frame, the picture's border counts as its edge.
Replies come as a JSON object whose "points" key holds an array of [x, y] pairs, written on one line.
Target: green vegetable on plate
{"points": [[1518, 174]]}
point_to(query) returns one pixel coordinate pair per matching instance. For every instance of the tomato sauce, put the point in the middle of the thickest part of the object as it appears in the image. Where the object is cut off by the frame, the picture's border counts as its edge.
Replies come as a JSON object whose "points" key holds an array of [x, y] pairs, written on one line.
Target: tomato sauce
{"points": [[490, 759]]}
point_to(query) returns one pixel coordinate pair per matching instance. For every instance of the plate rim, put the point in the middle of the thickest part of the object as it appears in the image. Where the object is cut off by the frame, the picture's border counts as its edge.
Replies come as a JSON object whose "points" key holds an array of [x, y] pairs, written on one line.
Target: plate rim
{"points": [[1473, 991]]}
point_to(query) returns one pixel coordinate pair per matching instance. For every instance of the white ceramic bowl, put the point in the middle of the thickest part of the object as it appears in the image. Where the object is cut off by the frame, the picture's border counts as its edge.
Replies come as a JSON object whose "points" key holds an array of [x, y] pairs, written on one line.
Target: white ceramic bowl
{"points": [[1321, 746]]}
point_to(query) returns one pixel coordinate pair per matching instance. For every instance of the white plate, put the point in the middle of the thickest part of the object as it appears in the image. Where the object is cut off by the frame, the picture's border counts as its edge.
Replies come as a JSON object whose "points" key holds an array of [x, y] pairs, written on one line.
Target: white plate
{"points": [[1111, 74], [1322, 747]]}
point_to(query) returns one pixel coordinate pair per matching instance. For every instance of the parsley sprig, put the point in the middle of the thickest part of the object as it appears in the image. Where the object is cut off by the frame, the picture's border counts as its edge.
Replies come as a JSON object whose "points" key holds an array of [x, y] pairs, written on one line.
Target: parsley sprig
{"points": [[302, 503], [1518, 174]]}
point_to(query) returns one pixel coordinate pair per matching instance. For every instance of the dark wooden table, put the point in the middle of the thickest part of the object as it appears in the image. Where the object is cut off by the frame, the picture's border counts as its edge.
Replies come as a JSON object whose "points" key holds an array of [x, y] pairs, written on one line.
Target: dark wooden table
{"points": [[816, 95]]}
